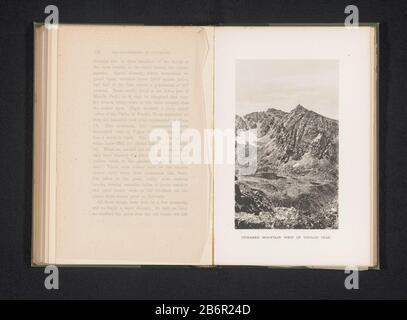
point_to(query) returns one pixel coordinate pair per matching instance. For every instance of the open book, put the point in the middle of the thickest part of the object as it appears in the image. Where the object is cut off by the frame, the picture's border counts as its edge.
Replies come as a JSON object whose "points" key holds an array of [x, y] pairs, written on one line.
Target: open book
{"points": [[166, 145]]}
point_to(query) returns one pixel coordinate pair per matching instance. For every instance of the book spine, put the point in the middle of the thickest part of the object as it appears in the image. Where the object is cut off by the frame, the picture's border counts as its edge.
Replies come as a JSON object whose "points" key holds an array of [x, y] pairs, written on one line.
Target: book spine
{"points": [[44, 167]]}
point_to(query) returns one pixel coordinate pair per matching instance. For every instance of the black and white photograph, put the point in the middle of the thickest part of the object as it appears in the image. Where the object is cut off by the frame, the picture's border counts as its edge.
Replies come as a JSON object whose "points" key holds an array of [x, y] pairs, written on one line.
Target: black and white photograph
{"points": [[292, 108]]}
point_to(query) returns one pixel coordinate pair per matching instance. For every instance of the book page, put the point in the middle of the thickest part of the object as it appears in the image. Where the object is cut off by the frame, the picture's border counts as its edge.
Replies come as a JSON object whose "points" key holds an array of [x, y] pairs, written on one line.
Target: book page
{"points": [[125, 95], [298, 191]]}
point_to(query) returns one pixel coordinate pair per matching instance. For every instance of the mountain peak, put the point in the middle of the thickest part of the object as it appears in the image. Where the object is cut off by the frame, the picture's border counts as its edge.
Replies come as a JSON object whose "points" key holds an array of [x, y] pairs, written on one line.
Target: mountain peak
{"points": [[273, 110], [290, 136], [300, 108]]}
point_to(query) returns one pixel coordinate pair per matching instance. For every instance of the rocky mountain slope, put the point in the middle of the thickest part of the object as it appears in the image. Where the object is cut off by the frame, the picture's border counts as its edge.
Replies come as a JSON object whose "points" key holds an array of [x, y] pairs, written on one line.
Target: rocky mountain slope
{"points": [[297, 170]]}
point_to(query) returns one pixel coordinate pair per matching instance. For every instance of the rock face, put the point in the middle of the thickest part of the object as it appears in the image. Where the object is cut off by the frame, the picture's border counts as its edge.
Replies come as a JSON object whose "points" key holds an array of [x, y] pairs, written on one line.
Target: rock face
{"points": [[300, 140], [302, 131], [297, 168], [251, 200], [240, 124]]}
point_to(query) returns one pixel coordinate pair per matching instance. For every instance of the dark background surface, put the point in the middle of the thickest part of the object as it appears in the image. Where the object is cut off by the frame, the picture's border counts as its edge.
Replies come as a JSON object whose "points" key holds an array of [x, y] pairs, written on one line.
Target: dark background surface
{"points": [[19, 280]]}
